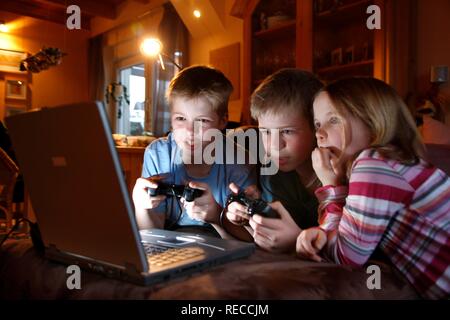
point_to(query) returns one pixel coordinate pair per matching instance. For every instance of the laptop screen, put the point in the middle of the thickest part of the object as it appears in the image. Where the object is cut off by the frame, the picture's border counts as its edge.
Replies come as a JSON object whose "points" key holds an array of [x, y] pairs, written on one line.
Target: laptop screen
{"points": [[76, 185]]}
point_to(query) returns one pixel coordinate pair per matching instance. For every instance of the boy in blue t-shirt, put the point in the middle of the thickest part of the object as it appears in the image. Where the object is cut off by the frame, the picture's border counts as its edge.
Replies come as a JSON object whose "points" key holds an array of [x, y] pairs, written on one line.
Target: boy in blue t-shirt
{"points": [[198, 100]]}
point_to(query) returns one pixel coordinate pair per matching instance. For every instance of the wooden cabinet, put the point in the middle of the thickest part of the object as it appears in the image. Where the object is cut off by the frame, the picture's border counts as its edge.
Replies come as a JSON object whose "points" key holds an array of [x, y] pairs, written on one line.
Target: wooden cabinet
{"points": [[131, 159], [273, 38], [277, 34], [343, 45], [328, 37]]}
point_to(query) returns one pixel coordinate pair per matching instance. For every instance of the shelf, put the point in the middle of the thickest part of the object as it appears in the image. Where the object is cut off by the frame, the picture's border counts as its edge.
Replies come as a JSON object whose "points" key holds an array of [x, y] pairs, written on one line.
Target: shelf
{"points": [[283, 29], [345, 12], [350, 7], [345, 67]]}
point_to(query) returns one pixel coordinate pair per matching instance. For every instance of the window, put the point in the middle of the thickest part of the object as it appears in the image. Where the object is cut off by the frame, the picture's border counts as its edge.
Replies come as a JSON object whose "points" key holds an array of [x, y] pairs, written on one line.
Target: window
{"points": [[144, 80], [162, 77], [148, 110], [132, 121]]}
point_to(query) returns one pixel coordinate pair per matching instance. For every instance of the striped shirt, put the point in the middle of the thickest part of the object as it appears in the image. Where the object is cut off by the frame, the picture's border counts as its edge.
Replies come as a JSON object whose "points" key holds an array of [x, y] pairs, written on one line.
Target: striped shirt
{"points": [[402, 210]]}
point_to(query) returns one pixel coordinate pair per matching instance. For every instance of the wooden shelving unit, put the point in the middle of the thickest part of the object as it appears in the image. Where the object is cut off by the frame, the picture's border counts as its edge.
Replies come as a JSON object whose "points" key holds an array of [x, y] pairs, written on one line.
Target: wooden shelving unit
{"points": [[308, 40], [343, 45], [269, 48], [282, 29], [384, 54], [343, 12], [345, 67]]}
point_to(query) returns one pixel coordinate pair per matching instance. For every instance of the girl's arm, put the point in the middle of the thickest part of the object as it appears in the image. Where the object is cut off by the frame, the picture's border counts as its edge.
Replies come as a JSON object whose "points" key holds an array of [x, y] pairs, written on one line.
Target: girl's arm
{"points": [[376, 193]]}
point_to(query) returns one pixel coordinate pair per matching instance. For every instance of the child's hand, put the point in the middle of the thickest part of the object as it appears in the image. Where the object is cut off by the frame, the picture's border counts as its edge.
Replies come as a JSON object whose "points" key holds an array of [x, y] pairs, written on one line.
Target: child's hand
{"points": [[325, 164], [236, 212], [310, 242], [141, 198], [204, 208], [276, 235]]}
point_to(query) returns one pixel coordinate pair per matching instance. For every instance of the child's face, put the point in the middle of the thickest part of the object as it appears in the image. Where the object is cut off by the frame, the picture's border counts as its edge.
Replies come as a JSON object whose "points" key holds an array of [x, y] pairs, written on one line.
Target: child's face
{"points": [[330, 129], [293, 144], [190, 118]]}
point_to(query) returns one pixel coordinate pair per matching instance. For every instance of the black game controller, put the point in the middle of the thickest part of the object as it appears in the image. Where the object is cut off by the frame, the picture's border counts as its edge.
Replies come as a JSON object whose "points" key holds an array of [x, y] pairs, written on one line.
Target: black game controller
{"points": [[176, 190], [255, 206]]}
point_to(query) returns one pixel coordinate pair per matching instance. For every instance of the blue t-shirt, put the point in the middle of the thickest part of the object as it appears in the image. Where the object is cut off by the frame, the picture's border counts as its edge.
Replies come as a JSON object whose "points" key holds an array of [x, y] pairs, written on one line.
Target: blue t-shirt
{"points": [[163, 156]]}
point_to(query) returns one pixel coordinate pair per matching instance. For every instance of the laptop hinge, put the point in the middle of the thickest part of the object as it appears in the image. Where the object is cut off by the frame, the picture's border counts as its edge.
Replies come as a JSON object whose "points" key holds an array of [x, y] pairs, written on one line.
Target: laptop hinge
{"points": [[132, 270], [52, 248]]}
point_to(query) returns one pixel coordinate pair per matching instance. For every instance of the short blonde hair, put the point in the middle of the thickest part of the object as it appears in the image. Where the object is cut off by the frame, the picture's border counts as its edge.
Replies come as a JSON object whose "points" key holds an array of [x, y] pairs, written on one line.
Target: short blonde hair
{"points": [[202, 81], [287, 90], [393, 130]]}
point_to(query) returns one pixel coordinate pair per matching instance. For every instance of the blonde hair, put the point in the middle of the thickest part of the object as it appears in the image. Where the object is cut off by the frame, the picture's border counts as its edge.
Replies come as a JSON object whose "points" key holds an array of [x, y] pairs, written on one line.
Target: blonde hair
{"points": [[391, 125], [287, 90], [202, 81]]}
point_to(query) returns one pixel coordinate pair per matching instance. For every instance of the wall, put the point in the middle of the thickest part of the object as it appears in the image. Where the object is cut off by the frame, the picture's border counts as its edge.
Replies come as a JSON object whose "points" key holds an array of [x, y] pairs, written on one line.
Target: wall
{"points": [[62, 84], [129, 11], [433, 44], [232, 33]]}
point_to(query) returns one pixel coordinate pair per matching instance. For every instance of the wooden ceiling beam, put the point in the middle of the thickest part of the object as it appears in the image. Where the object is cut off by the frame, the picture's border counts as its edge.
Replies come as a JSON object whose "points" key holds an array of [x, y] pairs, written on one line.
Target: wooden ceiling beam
{"points": [[239, 8], [92, 8], [41, 11]]}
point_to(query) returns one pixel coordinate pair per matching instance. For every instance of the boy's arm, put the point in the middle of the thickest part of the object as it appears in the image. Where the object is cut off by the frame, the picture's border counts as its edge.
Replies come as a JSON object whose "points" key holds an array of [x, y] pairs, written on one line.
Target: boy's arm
{"points": [[240, 181], [205, 208], [229, 230], [149, 211], [148, 220], [145, 216]]}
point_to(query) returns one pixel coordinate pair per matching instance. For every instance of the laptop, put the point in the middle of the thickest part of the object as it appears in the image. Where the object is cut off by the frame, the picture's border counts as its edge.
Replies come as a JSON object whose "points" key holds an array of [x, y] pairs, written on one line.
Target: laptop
{"points": [[76, 185]]}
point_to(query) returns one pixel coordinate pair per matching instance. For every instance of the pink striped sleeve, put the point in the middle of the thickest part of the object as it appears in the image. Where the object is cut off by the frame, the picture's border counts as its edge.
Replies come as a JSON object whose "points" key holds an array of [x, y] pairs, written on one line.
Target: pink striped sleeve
{"points": [[376, 192], [331, 201]]}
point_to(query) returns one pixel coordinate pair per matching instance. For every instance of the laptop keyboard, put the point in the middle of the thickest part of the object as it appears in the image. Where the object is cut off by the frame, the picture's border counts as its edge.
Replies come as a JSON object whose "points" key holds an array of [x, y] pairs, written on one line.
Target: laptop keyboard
{"points": [[161, 256], [152, 248]]}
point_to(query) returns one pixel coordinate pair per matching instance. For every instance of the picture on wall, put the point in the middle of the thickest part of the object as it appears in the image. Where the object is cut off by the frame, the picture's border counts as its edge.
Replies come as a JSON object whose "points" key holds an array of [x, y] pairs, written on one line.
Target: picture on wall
{"points": [[15, 89], [10, 60]]}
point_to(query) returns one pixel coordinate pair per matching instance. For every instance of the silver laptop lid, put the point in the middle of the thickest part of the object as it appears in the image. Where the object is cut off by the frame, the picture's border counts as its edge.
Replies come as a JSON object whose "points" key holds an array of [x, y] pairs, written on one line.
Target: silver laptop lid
{"points": [[67, 155]]}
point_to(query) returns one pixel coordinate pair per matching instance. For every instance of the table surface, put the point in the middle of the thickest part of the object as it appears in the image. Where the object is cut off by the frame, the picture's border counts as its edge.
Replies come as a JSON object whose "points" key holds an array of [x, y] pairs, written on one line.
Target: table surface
{"points": [[24, 274]]}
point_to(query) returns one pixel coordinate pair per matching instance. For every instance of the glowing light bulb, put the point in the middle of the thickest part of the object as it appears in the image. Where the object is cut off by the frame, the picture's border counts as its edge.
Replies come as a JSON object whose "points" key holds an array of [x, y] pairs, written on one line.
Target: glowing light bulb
{"points": [[197, 13], [3, 27], [151, 47]]}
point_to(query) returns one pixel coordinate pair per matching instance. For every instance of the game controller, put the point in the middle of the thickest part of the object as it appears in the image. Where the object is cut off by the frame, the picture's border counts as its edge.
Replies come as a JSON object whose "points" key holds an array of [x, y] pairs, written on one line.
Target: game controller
{"points": [[176, 190], [255, 206]]}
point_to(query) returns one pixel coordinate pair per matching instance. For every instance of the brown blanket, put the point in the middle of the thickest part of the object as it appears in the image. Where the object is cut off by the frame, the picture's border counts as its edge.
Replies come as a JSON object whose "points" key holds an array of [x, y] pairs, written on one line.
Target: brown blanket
{"points": [[26, 275]]}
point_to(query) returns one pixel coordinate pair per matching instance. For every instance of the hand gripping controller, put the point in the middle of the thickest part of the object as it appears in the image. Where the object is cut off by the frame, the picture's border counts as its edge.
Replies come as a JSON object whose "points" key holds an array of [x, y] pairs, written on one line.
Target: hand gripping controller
{"points": [[255, 206], [176, 190]]}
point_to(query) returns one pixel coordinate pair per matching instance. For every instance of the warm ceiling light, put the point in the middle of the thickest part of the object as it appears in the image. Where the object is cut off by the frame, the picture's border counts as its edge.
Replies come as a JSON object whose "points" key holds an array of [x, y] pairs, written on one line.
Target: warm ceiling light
{"points": [[197, 13], [151, 47], [3, 26]]}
